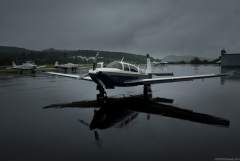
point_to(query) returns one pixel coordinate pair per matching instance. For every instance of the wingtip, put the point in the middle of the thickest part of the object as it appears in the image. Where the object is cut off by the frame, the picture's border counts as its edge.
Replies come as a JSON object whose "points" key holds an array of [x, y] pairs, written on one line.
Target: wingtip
{"points": [[225, 74]]}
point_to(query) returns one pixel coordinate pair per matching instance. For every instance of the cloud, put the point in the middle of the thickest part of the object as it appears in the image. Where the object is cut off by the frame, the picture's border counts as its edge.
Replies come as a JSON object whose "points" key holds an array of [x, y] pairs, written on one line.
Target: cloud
{"points": [[163, 27]]}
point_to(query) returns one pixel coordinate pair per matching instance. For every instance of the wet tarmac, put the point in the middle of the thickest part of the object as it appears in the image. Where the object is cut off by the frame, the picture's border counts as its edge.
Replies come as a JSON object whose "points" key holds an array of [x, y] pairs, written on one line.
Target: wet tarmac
{"points": [[51, 118]]}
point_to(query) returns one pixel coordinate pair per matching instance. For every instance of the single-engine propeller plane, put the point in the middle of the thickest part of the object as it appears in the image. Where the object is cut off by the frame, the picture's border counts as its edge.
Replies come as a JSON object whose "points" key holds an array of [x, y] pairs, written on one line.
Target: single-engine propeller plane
{"points": [[28, 65], [122, 74], [66, 66]]}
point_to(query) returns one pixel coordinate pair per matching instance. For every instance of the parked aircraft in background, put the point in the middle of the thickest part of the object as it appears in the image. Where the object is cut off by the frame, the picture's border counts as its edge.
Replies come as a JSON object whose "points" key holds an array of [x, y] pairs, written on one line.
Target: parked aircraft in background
{"points": [[27, 66], [159, 63], [65, 67]]}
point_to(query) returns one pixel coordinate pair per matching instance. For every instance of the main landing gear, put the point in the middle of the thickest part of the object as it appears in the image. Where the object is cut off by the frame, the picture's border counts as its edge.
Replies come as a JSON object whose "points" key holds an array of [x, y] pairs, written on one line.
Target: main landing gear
{"points": [[102, 96], [33, 71]]}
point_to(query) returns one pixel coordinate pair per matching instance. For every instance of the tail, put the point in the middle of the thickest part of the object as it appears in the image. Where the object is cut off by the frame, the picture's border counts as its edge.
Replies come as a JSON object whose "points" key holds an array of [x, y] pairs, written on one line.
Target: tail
{"points": [[13, 64], [56, 64], [149, 67]]}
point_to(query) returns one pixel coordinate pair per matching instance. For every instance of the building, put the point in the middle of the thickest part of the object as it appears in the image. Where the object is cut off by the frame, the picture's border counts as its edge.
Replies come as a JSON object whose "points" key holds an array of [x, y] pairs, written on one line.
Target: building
{"points": [[230, 59]]}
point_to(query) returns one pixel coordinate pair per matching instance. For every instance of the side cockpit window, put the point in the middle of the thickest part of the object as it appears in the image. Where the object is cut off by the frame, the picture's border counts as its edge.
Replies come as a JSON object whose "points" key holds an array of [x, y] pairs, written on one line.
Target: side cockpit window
{"points": [[126, 67], [133, 68], [123, 66]]}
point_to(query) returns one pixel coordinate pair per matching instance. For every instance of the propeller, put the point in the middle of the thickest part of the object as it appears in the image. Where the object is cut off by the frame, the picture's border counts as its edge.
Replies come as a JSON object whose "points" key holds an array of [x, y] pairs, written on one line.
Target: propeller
{"points": [[95, 61]]}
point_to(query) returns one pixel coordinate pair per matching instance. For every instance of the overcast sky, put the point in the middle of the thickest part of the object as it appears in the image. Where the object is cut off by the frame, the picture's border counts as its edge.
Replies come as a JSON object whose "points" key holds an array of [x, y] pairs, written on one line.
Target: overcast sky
{"points": [[161, 27]]}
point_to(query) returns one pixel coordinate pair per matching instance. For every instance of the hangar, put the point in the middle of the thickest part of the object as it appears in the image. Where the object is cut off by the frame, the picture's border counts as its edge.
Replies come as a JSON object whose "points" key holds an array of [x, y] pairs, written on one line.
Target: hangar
{"points": [[230, 59]]}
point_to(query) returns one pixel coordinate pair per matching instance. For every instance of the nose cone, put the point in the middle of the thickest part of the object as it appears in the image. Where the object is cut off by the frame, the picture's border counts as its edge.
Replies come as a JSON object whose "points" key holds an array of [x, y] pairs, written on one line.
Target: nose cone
{"points": [[92, 71], [94, 74]]}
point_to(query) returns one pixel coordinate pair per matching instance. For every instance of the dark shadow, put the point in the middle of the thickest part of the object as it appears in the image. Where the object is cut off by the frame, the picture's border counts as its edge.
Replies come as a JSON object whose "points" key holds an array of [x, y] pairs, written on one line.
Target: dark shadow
{"points": [[106, 117], [122, 111], [119, 112]]}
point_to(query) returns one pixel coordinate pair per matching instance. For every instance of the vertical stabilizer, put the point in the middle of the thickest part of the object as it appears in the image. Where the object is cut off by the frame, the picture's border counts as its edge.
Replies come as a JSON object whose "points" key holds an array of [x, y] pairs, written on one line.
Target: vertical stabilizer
{"points": [[56, 64], [149, 67], [14, 64]]}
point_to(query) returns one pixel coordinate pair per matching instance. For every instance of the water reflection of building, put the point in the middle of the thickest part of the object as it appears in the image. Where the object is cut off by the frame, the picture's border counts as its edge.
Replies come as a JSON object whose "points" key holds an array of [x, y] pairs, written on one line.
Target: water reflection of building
{"points": [[230, 59], [233, 74]]}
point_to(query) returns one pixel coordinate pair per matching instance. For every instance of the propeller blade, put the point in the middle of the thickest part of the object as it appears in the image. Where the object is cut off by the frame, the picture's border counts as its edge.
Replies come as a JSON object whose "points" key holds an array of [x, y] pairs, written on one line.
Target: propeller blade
{"points": [[83, 122], [95, 61]]}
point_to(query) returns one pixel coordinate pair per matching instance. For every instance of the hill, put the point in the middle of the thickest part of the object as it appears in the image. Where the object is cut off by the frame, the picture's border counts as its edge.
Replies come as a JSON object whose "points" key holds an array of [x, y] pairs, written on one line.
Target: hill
{"points": [[49, 56]]}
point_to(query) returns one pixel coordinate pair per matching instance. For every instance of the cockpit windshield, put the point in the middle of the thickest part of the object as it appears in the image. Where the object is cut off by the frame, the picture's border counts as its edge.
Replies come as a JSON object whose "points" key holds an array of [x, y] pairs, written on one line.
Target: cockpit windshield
{"points": [[115, 64], [123, 66]]}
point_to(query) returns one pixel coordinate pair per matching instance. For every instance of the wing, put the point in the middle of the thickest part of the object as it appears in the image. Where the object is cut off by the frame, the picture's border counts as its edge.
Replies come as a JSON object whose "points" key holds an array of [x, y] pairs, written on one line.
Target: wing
{"points": [[170, 79], [42, 66], [85, 77]]}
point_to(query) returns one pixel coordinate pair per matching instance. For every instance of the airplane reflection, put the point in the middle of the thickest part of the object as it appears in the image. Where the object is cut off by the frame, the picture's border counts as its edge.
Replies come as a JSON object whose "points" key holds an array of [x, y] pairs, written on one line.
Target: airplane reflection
{"points": [[122, 111], [119, 112]]}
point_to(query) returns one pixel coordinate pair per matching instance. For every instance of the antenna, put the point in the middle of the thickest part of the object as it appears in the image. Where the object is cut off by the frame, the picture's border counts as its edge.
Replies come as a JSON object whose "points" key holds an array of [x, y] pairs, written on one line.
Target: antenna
{"points": [[149, 68], [122, 59], [95, 61]]}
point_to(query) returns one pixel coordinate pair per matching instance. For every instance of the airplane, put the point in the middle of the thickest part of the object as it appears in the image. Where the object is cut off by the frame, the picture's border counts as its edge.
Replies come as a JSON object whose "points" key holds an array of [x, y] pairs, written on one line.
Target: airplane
{"points": [[28, 65], [159, 63], [122, 74], [66, 66]]}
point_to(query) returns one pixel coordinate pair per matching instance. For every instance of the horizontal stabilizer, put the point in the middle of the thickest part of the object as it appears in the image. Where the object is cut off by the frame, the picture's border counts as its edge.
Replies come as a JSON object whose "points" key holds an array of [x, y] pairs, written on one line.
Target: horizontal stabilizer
{"points": [[42, 66], [162, 74]]}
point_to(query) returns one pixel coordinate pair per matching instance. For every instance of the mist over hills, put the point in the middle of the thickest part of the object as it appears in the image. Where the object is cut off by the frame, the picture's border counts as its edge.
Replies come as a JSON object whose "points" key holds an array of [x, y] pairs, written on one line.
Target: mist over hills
{"points": [[49, 56], [184, 58]]}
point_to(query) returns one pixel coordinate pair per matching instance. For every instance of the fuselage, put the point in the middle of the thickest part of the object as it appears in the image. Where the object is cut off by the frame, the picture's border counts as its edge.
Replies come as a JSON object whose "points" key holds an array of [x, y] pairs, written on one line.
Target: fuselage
{"points": [[68, 65], [26, 66], [116, 73]]}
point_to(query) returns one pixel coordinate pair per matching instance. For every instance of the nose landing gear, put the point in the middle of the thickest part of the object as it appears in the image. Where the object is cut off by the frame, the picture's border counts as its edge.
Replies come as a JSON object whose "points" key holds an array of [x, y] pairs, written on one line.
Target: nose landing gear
{"points": [[147, 91]]}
